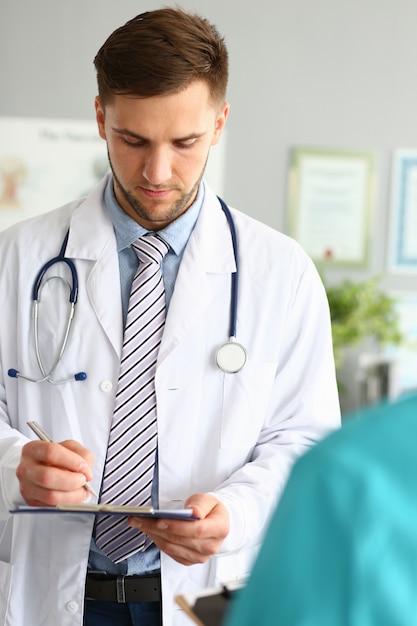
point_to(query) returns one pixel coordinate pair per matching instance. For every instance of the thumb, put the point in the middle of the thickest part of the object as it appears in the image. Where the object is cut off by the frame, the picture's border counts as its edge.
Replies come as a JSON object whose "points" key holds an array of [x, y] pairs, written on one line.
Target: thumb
{"points": [[201, 504]]}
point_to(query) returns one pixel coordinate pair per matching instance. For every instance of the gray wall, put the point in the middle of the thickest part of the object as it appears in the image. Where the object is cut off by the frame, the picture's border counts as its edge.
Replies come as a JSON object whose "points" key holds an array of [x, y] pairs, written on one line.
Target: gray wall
{"points": [[331, 73]]}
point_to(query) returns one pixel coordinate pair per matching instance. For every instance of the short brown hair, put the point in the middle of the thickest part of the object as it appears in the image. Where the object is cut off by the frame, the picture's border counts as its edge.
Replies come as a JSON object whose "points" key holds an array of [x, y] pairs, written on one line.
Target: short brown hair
{"points": [[161, 52]]}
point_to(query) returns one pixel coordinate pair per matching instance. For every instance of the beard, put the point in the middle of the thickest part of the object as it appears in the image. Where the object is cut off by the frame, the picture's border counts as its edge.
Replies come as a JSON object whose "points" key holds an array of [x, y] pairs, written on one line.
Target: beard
{"points": [[171, 213]]}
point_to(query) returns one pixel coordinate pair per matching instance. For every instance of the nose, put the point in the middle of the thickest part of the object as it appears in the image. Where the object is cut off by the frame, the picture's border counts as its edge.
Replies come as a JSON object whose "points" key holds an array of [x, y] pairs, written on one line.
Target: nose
{"points": [[157, 167]]}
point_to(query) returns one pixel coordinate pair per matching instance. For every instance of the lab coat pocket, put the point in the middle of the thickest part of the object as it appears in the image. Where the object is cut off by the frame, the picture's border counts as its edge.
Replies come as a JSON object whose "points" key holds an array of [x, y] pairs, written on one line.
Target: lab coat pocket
{"points": [[246, 396]]}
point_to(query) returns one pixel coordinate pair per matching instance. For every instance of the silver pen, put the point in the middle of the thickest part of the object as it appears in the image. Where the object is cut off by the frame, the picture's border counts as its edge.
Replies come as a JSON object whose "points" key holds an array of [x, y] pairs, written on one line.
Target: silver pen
{"points": [[38, 430]]}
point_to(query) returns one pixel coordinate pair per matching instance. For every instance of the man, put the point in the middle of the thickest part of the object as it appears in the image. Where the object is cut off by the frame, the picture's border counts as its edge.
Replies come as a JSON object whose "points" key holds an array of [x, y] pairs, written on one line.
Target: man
{"points": [[341, 548], [225, 441]]}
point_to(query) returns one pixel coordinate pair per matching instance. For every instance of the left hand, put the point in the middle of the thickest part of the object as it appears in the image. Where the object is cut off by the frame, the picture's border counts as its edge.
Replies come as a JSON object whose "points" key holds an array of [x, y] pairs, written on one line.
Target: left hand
{"points": [[189, 542]]}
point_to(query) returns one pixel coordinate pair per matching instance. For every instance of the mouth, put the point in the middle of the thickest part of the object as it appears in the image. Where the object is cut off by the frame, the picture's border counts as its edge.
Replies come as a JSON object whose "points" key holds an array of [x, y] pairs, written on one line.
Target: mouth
{"points": [[156, 194]]}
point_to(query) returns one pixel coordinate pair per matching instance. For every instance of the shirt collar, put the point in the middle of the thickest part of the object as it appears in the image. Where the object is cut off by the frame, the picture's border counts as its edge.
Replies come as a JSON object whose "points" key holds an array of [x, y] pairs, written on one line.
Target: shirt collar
{"points": [[127, 230]]}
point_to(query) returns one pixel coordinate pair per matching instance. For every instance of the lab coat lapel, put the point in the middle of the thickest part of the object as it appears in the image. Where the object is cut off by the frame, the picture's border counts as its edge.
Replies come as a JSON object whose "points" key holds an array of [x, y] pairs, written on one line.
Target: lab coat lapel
{"points": [[209, 252], [93, 243]]}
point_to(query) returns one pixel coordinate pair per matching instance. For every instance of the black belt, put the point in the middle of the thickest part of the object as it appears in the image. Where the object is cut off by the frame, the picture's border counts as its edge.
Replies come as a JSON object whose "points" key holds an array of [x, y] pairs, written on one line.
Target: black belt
{"points": [[105, 588]]}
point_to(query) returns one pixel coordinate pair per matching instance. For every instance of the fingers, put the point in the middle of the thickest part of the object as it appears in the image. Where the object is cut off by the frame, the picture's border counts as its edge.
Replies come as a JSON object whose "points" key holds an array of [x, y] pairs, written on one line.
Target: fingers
{"points": [[203, 504], [85, 454], [186, 549], [190, 542], [52, 473]]}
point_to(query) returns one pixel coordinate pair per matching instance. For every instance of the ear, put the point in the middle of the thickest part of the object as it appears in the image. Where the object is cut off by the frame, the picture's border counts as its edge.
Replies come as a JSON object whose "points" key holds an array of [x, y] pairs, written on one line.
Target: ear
{"points": [[220, 123], [100, 117]]}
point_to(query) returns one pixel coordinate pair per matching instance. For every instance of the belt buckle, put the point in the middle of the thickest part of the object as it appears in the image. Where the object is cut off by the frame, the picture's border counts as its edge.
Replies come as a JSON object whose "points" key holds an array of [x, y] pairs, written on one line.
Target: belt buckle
{"points": [[120, 589]]}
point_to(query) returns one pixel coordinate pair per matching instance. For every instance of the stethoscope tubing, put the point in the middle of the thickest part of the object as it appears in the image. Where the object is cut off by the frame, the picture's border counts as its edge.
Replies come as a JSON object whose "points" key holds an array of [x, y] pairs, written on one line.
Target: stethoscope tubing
{"points": [[235, 275], [73, 296], [231, 356], [61, 258]]}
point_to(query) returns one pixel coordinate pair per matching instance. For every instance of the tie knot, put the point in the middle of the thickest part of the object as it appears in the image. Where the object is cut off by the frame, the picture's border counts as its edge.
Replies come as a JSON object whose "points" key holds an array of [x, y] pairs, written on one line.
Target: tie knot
{"points": [[150, 248]]}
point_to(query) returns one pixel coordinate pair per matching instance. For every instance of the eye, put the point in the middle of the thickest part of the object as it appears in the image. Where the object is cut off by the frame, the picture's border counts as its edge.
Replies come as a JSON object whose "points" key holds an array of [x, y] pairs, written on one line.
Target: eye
{"points": [[132, 141], [185, 145]]}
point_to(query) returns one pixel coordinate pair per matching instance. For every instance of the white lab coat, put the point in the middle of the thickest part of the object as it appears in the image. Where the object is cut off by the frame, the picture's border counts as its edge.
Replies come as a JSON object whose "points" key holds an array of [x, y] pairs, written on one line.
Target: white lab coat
{"points": [[235, 435]]}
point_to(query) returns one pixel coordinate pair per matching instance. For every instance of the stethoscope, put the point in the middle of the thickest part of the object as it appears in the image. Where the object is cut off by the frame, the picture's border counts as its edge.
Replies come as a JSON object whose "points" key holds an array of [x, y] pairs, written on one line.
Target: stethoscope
{"points": [[231, 357], [47, 374]]}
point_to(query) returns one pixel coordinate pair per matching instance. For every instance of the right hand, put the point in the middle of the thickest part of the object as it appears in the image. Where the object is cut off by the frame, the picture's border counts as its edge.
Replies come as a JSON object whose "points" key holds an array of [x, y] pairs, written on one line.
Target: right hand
{"points": [[54, 473]]}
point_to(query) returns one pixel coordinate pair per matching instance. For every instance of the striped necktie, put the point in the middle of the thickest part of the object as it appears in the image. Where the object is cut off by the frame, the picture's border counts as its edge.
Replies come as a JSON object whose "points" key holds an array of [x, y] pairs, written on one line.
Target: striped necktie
{"points": [[131, 450]]}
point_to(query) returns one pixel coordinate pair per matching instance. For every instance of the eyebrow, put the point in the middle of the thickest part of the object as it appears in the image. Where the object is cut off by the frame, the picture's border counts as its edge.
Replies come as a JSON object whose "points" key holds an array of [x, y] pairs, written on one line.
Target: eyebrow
{"points": [[125, 131]]}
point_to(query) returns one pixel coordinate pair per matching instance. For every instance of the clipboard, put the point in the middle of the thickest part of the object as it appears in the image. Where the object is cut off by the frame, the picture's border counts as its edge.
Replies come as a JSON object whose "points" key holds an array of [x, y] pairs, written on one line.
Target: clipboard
{"points": [[107, 509], [208, 607]]}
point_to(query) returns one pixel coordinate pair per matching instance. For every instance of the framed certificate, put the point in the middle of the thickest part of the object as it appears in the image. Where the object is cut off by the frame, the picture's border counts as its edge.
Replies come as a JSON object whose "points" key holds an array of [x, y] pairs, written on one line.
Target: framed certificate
{"points": [[403, 217], [331, 198], [404, 355]]}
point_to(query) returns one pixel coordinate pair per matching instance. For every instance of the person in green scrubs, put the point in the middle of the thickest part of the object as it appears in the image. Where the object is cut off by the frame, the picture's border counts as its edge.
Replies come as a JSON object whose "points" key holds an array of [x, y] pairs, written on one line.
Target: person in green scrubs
{"points": [[341, 547]]}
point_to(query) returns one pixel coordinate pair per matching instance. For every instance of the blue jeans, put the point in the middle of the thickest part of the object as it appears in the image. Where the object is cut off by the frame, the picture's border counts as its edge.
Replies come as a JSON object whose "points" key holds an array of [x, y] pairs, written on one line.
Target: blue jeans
{"points": [[115, 614]]}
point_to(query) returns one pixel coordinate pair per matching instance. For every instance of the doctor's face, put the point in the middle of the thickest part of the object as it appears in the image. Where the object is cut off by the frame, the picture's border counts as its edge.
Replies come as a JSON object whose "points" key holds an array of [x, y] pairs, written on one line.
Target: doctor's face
{"points": [[158, 148]]}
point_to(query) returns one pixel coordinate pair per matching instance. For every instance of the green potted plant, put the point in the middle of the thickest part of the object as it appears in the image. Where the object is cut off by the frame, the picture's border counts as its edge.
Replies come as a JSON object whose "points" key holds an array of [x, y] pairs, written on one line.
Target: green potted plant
{"points": [[360, 311]]}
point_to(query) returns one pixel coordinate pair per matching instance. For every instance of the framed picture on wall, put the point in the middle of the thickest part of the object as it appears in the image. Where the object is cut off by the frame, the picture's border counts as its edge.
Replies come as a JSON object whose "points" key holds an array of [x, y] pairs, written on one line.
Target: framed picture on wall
{"points": [[45, 163], [404, 355], [331, 199], [402, 257]]}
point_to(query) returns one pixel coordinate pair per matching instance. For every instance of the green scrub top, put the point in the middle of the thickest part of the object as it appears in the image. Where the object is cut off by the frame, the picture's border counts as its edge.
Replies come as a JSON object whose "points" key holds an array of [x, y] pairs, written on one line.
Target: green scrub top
{"points": [[341, 548]]}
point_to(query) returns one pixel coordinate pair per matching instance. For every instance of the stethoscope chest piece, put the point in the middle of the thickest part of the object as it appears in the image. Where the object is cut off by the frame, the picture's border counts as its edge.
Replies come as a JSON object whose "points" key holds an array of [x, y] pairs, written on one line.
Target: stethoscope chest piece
{"points": [[231, 357]]}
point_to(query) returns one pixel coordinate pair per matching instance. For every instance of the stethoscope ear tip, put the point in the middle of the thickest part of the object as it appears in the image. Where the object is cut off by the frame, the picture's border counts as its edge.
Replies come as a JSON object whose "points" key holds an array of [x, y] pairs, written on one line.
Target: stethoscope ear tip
{"points": [[13, 373], [80, 376]]}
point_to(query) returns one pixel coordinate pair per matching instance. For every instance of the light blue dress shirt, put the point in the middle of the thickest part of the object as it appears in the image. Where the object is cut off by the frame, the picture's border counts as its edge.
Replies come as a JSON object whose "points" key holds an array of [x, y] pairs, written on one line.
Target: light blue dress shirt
{"points": [[176, 236]]}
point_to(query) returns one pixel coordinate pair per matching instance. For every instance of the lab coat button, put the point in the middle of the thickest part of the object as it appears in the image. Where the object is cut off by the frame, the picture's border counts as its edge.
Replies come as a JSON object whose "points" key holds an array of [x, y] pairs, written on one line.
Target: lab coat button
{"points": [[71, 607], [106, 385]]}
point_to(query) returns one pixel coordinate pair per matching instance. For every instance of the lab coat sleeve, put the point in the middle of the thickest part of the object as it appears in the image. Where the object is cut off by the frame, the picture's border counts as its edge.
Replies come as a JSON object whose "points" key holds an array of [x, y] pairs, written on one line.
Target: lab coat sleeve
{"points": [[302, 408], [10, 453], [11, 440], [11, 443]]}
